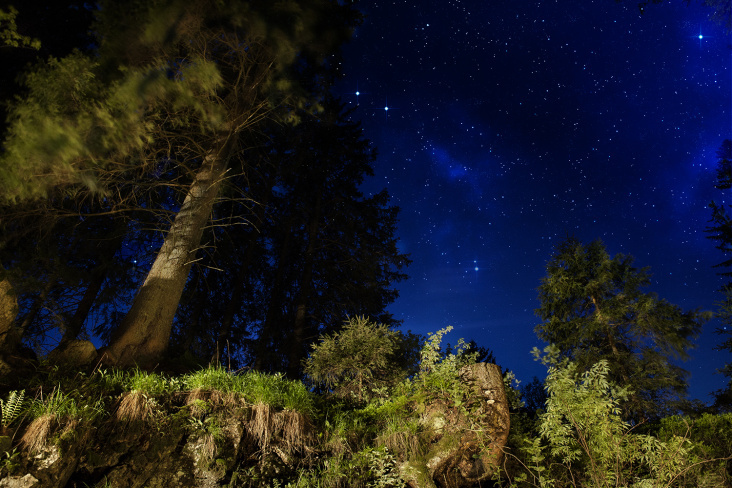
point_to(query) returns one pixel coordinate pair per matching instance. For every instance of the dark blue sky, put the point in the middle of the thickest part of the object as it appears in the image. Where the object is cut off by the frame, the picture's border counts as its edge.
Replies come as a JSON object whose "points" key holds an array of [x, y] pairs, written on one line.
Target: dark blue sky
{"points": [[513, 124]]}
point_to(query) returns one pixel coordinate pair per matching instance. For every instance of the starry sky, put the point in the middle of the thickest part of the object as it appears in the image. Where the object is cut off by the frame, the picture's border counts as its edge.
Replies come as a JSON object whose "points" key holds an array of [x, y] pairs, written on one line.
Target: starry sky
{"points": [[511, 125]]}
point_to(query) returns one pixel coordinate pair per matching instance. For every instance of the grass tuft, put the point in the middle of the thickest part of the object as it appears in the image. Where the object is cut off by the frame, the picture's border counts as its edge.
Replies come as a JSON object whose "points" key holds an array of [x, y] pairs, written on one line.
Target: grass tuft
{"points": [[135, 407], [262, 424], [295, 427], [36, 436]]}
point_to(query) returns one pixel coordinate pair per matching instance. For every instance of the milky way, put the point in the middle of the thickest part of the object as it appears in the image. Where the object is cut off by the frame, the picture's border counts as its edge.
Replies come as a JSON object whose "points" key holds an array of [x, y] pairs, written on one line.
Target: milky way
{"points": [[514, 124]]}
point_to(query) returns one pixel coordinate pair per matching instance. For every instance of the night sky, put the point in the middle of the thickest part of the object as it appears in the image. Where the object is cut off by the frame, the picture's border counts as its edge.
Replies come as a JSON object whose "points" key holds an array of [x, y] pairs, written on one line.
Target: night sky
{"points": [[511, 125]]}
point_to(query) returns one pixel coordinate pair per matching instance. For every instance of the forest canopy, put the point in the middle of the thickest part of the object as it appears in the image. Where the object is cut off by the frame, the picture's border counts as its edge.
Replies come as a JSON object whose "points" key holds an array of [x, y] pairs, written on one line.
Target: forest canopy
{"points": [[186, 183]]}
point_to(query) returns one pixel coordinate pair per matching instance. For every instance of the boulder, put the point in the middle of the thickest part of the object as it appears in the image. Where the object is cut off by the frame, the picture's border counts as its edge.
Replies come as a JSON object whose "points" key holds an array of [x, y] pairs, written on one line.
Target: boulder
{"points": [[27, 481], [468, 442]]}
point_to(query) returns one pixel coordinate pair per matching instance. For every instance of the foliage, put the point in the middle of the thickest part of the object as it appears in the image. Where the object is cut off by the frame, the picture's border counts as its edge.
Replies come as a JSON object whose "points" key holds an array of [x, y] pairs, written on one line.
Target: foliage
{"points": [[534, 396], [584, 441], [721, 233], [593, 308], [11, 407], [377, 467], [9, 35], [440, 373], [356, 360], [711, 437]]}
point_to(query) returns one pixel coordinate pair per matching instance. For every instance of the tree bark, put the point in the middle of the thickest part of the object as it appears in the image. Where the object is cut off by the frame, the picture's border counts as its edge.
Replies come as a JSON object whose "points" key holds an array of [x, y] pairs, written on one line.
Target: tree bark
{"points": [[9, 334], [142, 337]]}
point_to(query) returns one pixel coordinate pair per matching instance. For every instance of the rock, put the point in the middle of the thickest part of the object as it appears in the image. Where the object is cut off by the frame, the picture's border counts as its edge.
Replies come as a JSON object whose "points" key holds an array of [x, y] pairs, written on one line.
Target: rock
{"points": [[74, 353], [54, 468], [27, 481], [469, 439]]}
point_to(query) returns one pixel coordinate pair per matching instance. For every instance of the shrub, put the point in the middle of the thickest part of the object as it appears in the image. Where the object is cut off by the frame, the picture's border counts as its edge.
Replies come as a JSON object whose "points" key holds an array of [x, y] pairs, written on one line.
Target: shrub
{"points": [[584, 441], [356, 360]]}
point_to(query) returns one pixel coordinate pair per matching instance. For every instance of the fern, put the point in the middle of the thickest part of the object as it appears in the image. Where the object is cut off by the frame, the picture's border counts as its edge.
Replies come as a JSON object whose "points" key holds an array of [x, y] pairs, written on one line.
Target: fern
{"points": [[12, 407]]}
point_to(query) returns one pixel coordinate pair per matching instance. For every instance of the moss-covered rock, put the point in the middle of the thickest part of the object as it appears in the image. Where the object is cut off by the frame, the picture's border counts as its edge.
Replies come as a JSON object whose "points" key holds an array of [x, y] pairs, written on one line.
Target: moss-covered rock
{"points": [[468, 439]]}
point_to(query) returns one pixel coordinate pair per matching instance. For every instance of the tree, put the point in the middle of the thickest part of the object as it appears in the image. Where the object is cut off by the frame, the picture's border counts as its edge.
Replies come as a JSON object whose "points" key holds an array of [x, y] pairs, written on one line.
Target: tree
{"points": [[593, 309], [314, 251], [177, 82], [355, 360], [534, 397], [721, 233], [583, 439]]}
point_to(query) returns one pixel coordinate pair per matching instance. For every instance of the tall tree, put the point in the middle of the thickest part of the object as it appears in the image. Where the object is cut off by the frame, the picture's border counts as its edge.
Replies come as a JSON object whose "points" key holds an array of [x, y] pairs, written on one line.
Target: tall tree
{"points": [[315, 250], [177, 81], [593, 309], [721, 232]]}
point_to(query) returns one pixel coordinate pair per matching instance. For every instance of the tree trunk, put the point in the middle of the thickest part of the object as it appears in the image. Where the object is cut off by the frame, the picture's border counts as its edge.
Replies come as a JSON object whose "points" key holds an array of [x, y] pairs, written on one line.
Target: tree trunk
{"points": [[142, 337], [76, 323], [264, 357], [9, 334], [107, 251], [297, 346], [234, 305], [38, 302]]}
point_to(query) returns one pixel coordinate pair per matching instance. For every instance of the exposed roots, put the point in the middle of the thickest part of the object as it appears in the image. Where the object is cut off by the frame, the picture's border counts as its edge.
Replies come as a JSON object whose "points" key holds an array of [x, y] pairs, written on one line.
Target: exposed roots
{"points": [[402, 442], [208, 448], [197, 402], [211, 397], [135, 407], [36, 436], [262, 424], [295, 428]]}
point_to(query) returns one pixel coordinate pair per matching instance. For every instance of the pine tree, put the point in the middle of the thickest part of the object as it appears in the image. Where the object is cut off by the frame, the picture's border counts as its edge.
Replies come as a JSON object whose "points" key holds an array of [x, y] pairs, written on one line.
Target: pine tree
{"points": [[721, 233], [593, 308]]}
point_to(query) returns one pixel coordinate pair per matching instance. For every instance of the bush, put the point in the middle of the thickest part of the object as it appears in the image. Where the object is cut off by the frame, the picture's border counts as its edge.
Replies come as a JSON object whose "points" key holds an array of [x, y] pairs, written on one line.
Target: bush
{"points": [[356, 360], [584, 441]]}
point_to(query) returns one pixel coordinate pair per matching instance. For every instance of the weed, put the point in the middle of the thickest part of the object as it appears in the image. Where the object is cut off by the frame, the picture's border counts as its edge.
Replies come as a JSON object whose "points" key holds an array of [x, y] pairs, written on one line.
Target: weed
{"points": [[150, 383], [10, 462], [57, 403]]}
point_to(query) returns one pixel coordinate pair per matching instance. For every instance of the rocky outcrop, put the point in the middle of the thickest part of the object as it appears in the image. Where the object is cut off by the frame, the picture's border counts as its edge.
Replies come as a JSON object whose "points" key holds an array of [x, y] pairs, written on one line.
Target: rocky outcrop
{"points": [[467, 447], [210, 439]]}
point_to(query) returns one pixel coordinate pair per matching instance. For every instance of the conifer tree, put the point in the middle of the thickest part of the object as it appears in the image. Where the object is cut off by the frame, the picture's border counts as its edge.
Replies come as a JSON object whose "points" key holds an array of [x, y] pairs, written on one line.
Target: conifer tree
{"points": [[593, 308], [721, 232]]}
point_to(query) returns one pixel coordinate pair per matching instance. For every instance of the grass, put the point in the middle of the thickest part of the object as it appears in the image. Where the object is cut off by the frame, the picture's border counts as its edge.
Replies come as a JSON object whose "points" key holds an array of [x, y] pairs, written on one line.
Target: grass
{"points": [[332, 438]]}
